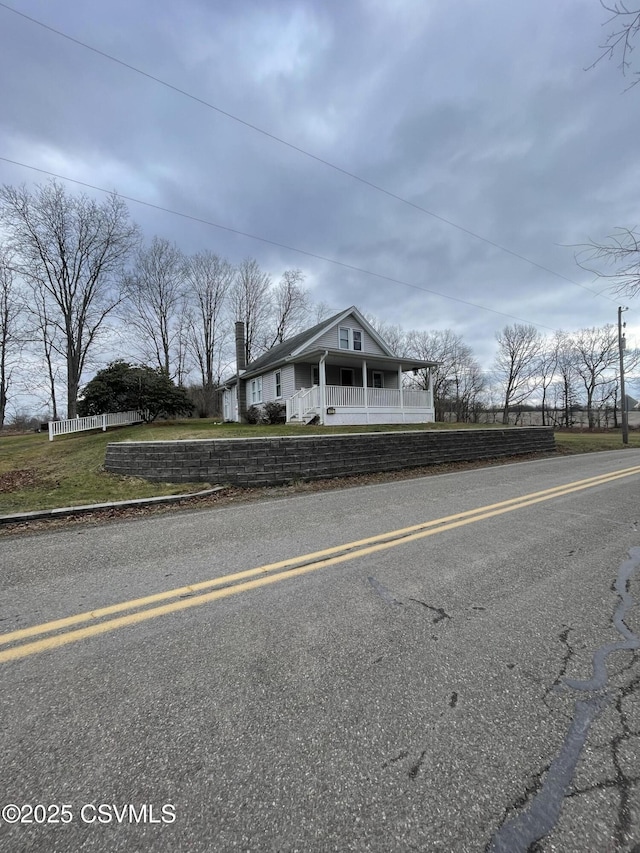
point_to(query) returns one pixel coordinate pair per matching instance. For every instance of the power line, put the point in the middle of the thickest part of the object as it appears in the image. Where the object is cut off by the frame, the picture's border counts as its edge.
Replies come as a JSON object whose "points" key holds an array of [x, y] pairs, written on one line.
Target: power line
{"points": [[299, 150], [266, 240]]}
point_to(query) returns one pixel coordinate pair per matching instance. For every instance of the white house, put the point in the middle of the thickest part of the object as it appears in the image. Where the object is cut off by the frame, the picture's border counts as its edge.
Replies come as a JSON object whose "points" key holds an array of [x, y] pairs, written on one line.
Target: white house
{"points": [[338, 372]]}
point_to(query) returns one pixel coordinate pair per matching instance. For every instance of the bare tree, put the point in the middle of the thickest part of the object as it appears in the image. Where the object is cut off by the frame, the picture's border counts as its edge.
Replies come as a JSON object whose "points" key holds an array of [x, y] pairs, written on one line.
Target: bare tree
{"points": [[467, 387], [394, 335], [154, 306], [46, 333], [516, 364], [251, 303], [565, 386], [619, 41], [72, 252], [547, 369], [12, 331], [597, 357], [208, 281], [291, 306], [617, 260], [457, 378], [321, 311], [622, 247]]}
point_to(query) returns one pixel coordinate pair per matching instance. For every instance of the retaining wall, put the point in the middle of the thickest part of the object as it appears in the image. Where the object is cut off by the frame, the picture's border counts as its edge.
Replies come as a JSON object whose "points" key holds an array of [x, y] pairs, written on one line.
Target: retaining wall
{"points": [[283, 459]]}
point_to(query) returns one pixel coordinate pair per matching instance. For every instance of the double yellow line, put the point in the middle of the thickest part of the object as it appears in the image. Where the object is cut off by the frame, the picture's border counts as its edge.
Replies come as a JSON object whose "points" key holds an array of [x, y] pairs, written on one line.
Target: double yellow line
{"points": [[63, 631]]}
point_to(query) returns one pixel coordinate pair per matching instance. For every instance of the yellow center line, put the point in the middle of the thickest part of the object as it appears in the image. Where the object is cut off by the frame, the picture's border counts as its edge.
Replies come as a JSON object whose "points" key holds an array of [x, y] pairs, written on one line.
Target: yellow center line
{"points": [[230, 584]]}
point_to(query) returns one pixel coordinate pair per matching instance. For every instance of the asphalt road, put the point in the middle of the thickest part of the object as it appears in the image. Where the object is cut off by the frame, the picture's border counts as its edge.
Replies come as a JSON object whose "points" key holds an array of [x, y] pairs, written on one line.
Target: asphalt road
{"points": [[466, 685]]}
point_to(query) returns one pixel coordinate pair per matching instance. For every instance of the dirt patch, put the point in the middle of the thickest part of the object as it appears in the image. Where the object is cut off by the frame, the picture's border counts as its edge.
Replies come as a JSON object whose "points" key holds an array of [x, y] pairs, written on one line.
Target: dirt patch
{"points": [[21, 478]]}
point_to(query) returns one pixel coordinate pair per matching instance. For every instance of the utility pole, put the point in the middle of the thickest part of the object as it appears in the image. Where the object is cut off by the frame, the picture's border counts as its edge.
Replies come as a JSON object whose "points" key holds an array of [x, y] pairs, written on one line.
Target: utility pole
{"points": [[621, 347]]}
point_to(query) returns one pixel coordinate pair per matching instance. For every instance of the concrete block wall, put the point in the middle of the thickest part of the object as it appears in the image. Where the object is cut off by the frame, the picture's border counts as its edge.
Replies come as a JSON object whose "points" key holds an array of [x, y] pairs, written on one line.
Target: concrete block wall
{"points": [[284, 459]]}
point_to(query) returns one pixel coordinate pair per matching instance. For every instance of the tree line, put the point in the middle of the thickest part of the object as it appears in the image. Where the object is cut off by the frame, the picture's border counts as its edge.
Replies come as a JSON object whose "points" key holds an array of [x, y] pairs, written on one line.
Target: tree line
{"points": [[558, 374], [77, 284]]}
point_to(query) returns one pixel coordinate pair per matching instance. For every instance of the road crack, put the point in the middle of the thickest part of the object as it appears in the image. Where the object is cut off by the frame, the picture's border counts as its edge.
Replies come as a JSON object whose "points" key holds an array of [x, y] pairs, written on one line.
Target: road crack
{"points": [[390, 597], [522, 828]]}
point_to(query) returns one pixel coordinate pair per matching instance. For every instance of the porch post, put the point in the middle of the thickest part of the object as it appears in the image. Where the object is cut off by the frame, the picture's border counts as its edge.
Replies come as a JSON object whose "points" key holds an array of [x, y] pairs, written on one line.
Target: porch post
{"points": [[400, 387], [364, 385], [431, 390], [322, 379]]}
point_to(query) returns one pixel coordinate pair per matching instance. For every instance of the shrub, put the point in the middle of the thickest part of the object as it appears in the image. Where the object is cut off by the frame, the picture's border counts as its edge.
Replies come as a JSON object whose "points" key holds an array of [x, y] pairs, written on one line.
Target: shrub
{"points": [[275, 413], [121, 387], [255, 415]]}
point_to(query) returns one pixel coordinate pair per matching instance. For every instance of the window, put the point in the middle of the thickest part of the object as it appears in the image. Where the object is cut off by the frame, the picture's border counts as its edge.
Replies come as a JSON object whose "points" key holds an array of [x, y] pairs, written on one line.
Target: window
{"points": [[346, 376], [278, 383], [378, 379], [315, 375], [256, 390], [350, 338]]}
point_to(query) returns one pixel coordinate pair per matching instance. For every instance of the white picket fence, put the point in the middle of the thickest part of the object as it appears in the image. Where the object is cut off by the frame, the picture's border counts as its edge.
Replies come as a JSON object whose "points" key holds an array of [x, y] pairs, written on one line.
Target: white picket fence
{"points": [[94, 422]]}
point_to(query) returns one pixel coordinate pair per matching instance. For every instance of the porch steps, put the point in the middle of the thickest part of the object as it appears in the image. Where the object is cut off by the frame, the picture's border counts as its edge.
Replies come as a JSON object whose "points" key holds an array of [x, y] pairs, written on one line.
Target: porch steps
{"points": [[309, 417]]}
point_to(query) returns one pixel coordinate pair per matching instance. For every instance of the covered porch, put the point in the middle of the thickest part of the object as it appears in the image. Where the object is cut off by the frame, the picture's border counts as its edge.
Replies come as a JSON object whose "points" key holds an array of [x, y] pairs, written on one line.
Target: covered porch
{"points": [[364, 403]]}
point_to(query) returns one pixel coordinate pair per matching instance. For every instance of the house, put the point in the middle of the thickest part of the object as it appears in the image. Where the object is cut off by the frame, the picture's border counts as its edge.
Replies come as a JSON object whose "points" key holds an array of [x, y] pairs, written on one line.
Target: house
{"points": [[338, 372]]}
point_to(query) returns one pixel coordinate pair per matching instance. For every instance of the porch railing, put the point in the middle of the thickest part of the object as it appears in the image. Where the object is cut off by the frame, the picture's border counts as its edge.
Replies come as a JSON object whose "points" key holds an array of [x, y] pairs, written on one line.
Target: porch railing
{"points": [[307, 400], [344, 395], [348, 395], [414, 399], [383, 397], [303, 401]]}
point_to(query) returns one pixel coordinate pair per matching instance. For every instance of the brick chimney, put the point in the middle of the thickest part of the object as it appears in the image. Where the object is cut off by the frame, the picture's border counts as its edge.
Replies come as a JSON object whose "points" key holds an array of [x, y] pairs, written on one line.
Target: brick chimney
{"points": [[241, 347], [241, 364]]}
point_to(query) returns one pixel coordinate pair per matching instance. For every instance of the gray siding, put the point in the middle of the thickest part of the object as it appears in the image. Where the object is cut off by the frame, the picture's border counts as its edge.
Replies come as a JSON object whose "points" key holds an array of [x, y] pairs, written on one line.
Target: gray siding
{"points": [[369, 345], [302, 376], [330, 338], [268, 387], [390, 379], [333, 374], [269, 384], [288, 381]]}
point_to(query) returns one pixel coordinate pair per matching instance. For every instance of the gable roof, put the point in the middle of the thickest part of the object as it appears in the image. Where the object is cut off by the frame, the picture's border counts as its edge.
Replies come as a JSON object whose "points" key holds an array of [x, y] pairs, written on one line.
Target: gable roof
{"points": [[303, 341], [280, 352], [338, 318]]}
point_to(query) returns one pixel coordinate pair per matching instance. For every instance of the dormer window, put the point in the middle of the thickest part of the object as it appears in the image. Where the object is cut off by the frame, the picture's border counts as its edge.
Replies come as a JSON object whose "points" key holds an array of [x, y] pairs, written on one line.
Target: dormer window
{"points": [[350, 338]]}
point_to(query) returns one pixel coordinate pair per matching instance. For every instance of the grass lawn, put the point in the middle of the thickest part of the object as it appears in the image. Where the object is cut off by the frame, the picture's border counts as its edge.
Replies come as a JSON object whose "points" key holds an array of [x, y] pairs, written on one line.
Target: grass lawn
{"points": [[590, 442], [38, 474]]}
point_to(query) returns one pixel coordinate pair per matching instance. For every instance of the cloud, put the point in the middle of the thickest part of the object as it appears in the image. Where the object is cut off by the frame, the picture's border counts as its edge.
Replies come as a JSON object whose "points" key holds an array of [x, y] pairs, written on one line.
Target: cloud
{"points": [[481, 113]]}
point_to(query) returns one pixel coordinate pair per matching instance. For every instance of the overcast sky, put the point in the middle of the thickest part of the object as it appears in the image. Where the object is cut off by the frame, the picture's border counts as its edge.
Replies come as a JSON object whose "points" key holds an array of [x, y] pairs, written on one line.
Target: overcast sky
{"points": [[480, 112]]}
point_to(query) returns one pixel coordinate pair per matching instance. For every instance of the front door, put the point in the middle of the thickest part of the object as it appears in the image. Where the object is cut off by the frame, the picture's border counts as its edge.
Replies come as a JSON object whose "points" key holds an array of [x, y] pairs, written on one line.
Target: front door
{"points": [[346, 376]]}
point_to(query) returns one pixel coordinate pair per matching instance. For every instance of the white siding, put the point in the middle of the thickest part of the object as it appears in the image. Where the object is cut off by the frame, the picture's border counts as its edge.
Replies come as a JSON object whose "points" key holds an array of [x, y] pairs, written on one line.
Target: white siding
{"points": [[346, 415]]}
